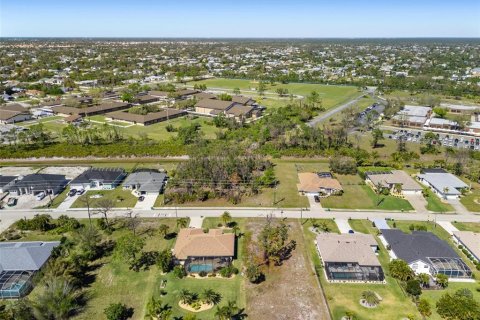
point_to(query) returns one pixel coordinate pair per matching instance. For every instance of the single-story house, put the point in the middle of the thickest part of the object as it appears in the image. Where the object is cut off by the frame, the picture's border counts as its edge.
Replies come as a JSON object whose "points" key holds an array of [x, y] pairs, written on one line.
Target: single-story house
{"points": [[470, 241], [443, 183], [391, 179], [349, 257], [144, 99], [246, 101], [213, 106], [318, 184], [99, 178], [103, 108], [145, 182], [13, 113], [6, 182], [19, 261], [425, 253], [147, 119], [204, 95], [199, 251], [38, 182], [186, 93]]}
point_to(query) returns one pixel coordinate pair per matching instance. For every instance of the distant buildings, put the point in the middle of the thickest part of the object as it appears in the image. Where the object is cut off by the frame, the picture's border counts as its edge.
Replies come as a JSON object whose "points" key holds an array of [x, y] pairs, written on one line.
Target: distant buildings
{"points": [[13, 113]]}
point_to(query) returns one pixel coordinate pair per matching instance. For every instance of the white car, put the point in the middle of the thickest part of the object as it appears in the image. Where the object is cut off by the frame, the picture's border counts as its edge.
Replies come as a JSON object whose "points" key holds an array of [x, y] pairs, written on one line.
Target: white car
{"points": [[40, 196]]}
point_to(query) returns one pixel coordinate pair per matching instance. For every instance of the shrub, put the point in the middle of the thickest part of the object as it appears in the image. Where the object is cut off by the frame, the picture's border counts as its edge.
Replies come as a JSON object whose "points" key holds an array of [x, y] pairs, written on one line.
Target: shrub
{"points": [[202, 273], [179, 272], [227, 271], [117, 311]]}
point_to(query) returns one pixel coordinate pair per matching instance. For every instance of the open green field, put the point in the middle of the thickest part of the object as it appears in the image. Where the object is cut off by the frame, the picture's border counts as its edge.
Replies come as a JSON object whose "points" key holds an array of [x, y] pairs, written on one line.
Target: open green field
{"points": [[121, 198], [471, 201], [342, 297], [357, 195], [331, 95]]}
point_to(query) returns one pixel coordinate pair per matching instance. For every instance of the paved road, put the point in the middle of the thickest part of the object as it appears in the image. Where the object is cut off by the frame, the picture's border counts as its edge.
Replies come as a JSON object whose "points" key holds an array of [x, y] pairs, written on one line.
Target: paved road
{"points": [[8, 216], [329, 113]]}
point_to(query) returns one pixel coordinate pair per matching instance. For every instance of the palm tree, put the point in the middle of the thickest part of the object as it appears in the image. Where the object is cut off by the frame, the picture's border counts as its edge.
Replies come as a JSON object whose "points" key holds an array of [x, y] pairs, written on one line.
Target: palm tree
{"points": [[445, 191], [211, 297], [370, 298], [226, 217], [182, 223], [424, 279], [163, 230], [60, 300], [187, 297], [227, 312]]}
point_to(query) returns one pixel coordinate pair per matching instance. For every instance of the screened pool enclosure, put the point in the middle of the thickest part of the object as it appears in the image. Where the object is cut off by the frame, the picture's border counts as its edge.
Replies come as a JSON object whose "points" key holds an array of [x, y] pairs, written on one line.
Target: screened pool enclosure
{"points": [[15, 284]]}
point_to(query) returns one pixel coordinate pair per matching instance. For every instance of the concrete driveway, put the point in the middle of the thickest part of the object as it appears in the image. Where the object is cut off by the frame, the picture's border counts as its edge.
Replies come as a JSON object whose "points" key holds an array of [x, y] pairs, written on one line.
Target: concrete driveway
{"points": [[458, 206], [313, 204], [448, 226], [67, 203], [418, 202], [148, 203], [343, 225]]}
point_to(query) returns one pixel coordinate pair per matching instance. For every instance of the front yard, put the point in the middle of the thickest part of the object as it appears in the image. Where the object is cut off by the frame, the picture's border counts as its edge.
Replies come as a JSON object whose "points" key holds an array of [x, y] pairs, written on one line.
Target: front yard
{"points": [[121, 198], [357, 195], [471, 200]]}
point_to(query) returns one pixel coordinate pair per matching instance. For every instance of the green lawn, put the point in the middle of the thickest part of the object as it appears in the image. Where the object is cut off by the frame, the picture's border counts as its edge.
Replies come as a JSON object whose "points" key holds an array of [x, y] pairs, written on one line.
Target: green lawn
{"points": [[472, 200], [331, 95], [467, 226], [345, 297], [357, 195], [122, 198], [435, 204]]}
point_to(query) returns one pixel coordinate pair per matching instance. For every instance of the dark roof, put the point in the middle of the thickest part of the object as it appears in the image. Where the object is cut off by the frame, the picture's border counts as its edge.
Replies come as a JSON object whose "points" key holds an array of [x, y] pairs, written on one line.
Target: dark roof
{"points": [[4, 180], [204, 95], [145, 99], [214, 104], [14, 107], [420, 245], [434, 170], [12, 110], [242, 99], [72, 118], [157, 93], [240, 110], [101, 108], [40, 182], [25, 256], [106, 175], [186, 92], [139, 118]]}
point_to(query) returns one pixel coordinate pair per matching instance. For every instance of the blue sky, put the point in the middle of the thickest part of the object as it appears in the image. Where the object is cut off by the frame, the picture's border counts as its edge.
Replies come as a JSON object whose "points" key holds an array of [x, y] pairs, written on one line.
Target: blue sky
{"points": [[244, 18]]}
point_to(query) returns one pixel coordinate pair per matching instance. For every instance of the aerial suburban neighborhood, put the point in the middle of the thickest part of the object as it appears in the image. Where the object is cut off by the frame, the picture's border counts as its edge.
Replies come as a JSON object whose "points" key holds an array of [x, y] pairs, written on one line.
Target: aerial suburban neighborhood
{"points": [[164, 165]]}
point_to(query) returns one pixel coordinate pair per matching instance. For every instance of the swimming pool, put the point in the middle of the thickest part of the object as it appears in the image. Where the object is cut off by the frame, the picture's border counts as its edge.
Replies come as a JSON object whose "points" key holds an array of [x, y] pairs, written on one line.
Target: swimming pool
{"points": [[196, 268]]}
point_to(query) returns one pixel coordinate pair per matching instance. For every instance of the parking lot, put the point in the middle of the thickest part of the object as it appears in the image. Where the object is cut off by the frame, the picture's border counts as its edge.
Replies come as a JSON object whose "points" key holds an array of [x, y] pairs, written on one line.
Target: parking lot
{"points": [[444, 139]]}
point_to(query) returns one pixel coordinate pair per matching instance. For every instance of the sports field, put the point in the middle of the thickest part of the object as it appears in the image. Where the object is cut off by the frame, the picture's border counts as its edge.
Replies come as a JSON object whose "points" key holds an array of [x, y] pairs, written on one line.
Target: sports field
{"points": [[331, 95]]}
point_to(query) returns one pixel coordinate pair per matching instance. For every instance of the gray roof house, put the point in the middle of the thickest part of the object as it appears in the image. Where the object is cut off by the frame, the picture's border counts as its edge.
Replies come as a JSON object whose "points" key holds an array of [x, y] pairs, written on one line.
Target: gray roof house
{"points": [[99, 178], [37, 183], [425, 253], [19, 261], [6, 182], [145, 182], [444, 184]]}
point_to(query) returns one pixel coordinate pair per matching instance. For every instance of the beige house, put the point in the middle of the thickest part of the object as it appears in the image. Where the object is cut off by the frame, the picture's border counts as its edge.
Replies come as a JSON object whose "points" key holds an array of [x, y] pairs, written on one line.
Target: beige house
{"points": [[318, 184], [198, 251], [391, 179], [470, 241]]}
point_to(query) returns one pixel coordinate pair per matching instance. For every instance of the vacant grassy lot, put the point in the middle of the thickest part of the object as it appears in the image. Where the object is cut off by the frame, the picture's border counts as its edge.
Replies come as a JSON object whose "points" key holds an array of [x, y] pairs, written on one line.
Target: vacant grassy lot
{"points": [[285, 194], [121, 198], [345, 297], [331, 95], [472, 200], [357, 195], [290, 291]]}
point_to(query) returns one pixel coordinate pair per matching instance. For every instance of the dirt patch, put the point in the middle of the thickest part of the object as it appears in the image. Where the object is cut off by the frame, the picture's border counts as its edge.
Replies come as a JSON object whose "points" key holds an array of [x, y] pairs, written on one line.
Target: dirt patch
{"points": [[17, 171], [290, 291], [203, 307], [69, 172]]}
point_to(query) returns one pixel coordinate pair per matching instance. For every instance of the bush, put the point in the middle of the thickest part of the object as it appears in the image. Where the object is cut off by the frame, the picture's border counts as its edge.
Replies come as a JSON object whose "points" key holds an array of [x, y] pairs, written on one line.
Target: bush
{"points": [[228, 271], [67, 224], [179, 272], [118, 311], [202, 274], [42, 222], [343, 165]]}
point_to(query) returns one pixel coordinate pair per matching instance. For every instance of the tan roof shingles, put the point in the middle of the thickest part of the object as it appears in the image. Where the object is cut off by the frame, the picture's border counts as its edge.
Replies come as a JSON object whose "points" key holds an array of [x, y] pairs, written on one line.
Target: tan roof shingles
{"points": [[394, 177], [196, 243], [470, 239], [348, 248], [311, 182]]}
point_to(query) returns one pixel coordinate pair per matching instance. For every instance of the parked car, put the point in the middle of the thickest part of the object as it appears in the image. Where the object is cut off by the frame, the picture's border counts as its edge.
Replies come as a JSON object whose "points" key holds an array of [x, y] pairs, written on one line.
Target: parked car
{"points": [[72, 192], [12, 202], [80, 192], [141, 198], [40, 196], [317, 199]]}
